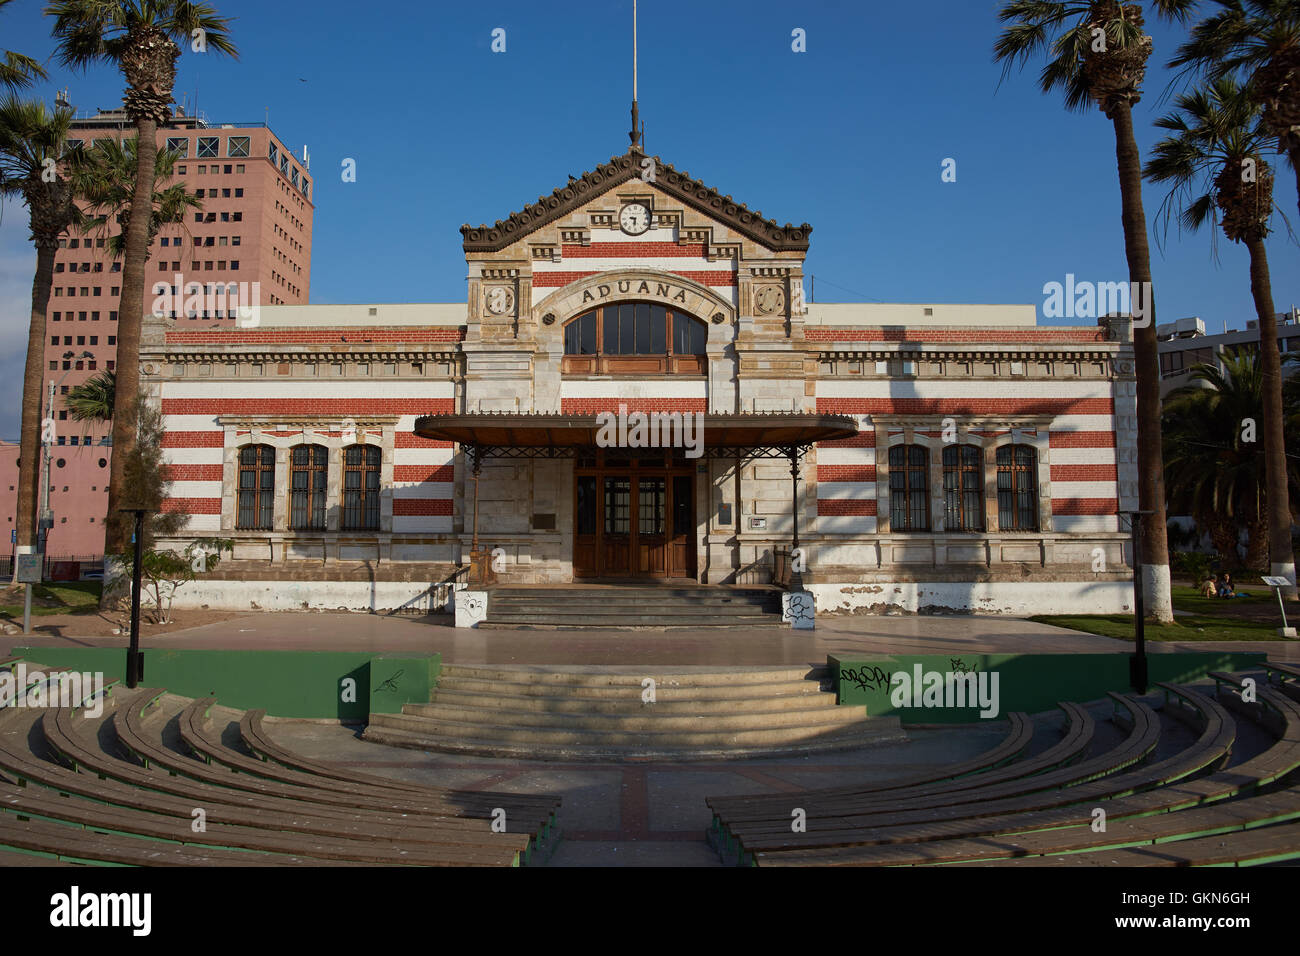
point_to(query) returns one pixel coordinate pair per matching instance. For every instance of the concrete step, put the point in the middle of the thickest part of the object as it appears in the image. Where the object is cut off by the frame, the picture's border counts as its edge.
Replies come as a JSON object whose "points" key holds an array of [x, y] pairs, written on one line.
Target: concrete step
{"points": [[635, 594], [599, 675], [643, 623], [609, 608], [877, 730], [632, 607], [629, 703], [662, 740], [651, 718], [503, 689]]}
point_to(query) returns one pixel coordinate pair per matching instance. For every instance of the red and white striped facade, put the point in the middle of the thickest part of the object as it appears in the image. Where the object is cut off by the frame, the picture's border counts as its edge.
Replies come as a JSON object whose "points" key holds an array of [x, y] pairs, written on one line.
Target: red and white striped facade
{"points": [[927, 376]]}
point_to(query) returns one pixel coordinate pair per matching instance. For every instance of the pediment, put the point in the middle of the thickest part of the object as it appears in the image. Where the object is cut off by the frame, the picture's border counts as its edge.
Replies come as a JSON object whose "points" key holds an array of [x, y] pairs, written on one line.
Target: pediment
{"points": [[566, 200]]}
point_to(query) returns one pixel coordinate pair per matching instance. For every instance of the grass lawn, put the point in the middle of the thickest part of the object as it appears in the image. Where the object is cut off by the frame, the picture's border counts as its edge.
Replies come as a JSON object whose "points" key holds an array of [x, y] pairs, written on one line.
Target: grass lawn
{"points": [[1253, 618], [66, 597]]}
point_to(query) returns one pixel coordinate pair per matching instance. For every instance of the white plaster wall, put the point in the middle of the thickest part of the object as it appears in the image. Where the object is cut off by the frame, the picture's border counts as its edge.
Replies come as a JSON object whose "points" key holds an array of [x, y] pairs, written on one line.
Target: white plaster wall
{"points": [[1002, 597], [416, 596]]}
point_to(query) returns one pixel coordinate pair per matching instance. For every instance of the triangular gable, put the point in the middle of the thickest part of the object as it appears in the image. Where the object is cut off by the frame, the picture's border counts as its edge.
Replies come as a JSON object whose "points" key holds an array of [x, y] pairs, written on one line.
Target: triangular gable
{"points": [[621, 169]]}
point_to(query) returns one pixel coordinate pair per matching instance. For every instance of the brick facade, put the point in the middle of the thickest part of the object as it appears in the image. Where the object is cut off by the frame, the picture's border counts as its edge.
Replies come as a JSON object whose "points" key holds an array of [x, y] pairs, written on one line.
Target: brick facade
{"points": [[1045, 412]]}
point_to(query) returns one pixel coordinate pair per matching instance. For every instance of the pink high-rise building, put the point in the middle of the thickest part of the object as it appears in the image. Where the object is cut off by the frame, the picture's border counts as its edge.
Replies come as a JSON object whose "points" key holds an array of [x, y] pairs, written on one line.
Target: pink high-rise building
{"points": [[251, 239]]}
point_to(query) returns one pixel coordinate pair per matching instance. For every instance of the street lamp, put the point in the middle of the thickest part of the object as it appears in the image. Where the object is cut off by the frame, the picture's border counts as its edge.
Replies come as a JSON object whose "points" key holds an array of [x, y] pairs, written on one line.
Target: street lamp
{"points": [[46, 523], [1137, 665]]}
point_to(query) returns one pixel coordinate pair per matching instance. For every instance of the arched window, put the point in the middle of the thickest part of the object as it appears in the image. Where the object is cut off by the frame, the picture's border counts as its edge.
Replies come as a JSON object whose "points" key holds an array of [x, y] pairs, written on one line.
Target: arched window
{"points": [[1017, 488], [963, 488], [256, 488], [909, 488], [635, 337], [308, 471], [361, 488]]}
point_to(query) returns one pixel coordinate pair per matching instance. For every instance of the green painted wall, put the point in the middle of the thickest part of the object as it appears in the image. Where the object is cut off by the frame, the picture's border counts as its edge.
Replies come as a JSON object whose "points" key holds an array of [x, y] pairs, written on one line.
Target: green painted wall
{"points": [[285, 683], [1027, 682]]}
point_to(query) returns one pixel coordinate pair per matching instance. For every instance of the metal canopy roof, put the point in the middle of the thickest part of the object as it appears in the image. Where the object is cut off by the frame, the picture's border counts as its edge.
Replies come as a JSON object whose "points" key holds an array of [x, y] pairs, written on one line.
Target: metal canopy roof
{"points": [[561, 436]]}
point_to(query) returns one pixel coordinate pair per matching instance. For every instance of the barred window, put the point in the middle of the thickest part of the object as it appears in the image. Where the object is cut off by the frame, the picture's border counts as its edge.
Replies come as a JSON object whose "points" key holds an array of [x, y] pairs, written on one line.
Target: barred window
{"points": [[180, 145], [963, 488], [308, 470], [1017, 488], [237, 146], [256, 487], [361, 488], [909, 488], [208, 146]]}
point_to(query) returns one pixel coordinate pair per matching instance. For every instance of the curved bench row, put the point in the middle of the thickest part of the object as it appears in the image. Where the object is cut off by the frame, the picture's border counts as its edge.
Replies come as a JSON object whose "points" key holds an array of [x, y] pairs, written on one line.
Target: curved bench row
{"points": [[119, 789], [1196, 811]]}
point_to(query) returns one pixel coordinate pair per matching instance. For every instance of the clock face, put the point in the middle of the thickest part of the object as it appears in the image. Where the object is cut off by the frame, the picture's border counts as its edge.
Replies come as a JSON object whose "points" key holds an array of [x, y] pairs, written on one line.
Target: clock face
{"points": [[635, 219], [769, 299], [499, 300]]}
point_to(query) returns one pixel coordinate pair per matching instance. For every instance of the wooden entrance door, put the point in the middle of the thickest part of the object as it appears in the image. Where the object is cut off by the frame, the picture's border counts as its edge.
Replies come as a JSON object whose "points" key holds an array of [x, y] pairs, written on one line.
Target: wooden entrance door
{"points": [[634, 516]]}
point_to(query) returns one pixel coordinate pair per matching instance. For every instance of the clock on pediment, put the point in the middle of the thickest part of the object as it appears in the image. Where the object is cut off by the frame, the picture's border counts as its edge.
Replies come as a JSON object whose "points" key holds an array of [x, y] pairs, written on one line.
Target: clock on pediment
{"points": [[634, 219], [500, 300]]}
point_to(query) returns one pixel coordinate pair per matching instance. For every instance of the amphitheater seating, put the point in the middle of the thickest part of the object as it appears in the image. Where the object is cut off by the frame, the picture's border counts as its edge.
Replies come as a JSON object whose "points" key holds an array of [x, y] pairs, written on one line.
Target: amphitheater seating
{"points": [[123, 789], [1186, 809]]}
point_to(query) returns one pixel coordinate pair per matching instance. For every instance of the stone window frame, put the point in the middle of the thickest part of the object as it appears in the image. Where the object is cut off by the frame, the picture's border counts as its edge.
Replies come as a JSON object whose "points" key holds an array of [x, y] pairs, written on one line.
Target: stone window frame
{"points": [[335, 433], [1031, 430]]}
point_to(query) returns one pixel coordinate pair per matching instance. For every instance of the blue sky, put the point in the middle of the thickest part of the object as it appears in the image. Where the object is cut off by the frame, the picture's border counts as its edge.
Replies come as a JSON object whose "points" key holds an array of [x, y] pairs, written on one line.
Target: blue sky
{"points": [[849, 136]]}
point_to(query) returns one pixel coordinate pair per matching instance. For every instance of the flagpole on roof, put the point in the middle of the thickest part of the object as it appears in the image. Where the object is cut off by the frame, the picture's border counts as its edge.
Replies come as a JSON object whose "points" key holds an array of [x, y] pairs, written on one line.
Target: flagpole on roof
{"points": [[635, 135]]}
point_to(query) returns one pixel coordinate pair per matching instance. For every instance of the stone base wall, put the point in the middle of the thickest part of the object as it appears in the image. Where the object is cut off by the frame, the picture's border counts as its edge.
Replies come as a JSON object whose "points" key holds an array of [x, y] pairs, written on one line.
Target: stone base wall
{"points": [[1015, 598]]}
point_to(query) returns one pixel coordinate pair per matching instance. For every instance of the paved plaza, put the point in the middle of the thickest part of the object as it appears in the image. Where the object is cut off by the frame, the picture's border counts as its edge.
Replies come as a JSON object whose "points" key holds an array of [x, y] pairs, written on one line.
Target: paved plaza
{"points": [[843, 635]]}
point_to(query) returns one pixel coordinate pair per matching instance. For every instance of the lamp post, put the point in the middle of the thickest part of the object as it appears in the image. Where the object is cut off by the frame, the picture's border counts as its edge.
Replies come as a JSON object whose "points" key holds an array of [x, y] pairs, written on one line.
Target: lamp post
{"points": [[1137, 665], [46, 521], [134, 659]]}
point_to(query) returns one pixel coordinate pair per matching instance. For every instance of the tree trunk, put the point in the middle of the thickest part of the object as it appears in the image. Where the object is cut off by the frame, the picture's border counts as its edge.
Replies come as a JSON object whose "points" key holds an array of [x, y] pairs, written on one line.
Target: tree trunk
{"points": [[1257, 543], [1281, 560], [1292, 149], [129, 317], [1151, 469], [29, 443]]}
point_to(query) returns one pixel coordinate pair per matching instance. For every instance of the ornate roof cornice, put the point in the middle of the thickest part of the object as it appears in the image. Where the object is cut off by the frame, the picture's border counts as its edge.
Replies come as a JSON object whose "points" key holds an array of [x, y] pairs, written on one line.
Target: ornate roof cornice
{"points": [[621, 169]]}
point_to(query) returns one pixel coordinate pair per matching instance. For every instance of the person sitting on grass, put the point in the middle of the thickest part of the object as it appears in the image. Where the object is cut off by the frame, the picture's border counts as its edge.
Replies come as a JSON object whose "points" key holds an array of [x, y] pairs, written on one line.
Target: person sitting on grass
{"points": [[1210, 587], [1226, 588]]}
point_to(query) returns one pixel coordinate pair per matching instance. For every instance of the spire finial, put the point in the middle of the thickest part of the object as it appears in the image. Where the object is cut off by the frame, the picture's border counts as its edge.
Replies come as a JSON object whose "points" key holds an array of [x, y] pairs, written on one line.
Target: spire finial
{"points": [[635, 134]]}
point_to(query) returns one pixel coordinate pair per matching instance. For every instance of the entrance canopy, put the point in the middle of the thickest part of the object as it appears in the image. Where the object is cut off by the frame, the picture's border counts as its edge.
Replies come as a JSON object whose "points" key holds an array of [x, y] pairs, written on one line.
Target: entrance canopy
{"points": [[754, 435]]}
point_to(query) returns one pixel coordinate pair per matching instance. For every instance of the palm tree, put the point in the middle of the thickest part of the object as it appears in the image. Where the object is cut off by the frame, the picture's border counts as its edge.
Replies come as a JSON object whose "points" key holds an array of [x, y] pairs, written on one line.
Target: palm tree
{"points": [[1218, 174], [1214, 474], [92, 400], [16, 70], [107, 184], [140, 38], [34, 165], [1097, 53], [1261, 40]]}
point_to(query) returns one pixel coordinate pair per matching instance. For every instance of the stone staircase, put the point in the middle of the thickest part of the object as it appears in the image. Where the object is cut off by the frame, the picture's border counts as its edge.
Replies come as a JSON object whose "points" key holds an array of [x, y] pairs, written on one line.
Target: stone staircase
{"points": [[603, 713], [632, 607]]}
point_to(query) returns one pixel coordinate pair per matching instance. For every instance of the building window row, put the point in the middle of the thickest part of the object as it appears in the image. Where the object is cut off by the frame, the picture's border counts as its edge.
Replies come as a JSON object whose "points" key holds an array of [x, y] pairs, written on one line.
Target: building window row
{"points": [[308, 496], [81, 317], [963, 488]]}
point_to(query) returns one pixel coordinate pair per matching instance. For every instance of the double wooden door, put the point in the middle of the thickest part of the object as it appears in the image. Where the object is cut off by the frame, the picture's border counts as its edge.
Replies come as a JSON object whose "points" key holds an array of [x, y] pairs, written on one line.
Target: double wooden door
{"points": [[634, 517]]}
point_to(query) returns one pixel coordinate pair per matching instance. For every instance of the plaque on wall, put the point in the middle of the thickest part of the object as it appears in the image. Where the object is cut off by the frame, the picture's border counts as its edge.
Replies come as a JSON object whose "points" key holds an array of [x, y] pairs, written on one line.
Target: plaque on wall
{"points": [[724, 513]]}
